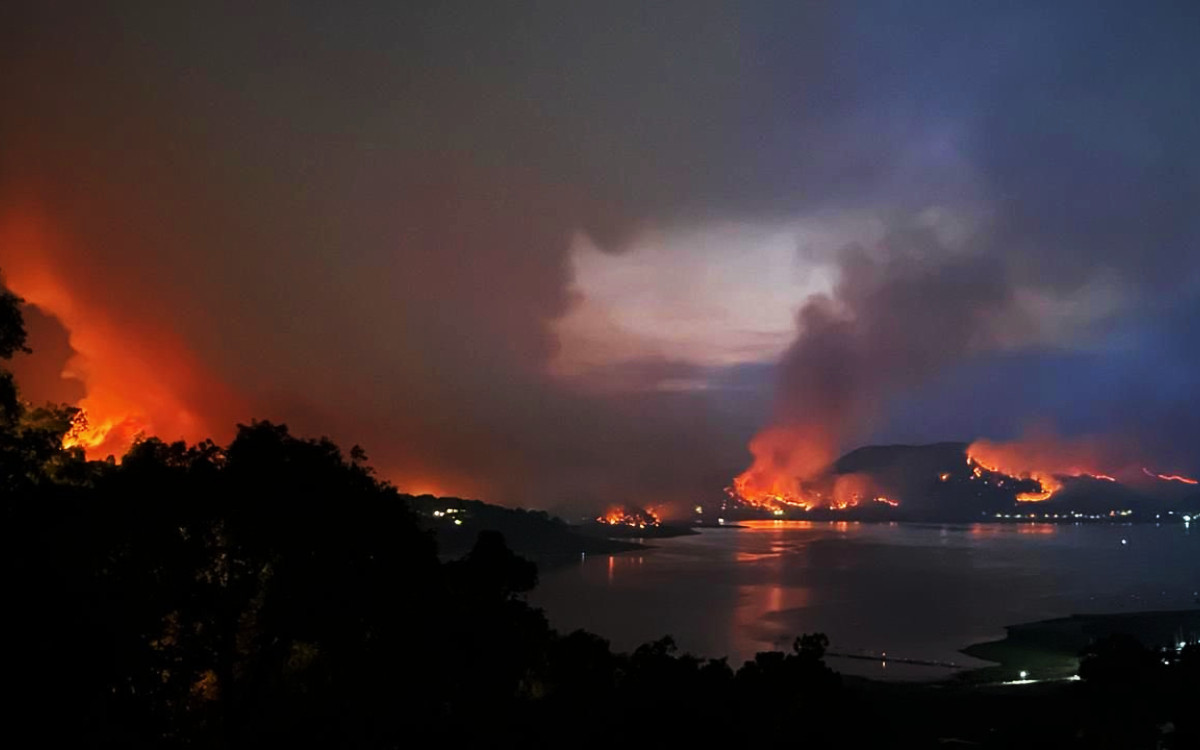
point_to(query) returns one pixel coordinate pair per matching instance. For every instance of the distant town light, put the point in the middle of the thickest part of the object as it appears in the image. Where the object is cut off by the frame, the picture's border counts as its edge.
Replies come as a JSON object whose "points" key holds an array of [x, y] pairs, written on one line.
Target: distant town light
{"points": [[1024, 675]]}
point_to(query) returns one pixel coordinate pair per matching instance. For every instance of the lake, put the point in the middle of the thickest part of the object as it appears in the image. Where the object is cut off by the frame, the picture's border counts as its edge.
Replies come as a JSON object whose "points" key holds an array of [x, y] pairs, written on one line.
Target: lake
{"points": [[908, 590]]}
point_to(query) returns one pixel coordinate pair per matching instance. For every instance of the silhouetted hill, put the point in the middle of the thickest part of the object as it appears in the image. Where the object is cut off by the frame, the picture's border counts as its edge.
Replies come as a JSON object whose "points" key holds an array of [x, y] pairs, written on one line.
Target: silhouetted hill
{"points": [[534, 534], [935, 482], [931, 459]]}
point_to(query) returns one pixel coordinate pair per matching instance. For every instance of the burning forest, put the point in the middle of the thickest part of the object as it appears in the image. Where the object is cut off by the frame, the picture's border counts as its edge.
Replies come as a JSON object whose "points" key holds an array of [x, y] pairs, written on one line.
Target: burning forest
{"points": [[629, 516], [958, 481]]}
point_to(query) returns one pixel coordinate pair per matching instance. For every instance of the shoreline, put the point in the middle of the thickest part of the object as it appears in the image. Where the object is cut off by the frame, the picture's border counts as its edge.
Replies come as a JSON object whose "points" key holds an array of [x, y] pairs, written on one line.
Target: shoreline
{"points": [[1048, 650]]}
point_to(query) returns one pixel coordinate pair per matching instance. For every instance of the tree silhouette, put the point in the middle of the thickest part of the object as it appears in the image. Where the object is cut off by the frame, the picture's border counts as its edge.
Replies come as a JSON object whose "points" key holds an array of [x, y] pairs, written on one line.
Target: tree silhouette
{"points": [[12, 324]]}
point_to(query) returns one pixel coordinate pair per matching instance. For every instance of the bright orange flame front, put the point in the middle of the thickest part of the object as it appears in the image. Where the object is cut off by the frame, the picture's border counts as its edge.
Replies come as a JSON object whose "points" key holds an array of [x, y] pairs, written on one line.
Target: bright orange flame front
{"points": [[784, 457], [108, 437], [138, 376], [1170, 477], [638, 518], [1041, 459], [1047, 484]]}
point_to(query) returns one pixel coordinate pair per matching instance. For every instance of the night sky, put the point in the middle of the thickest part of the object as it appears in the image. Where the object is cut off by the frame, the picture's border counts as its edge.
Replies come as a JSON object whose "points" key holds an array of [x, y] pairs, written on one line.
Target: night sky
{"points": [[557, 253]]}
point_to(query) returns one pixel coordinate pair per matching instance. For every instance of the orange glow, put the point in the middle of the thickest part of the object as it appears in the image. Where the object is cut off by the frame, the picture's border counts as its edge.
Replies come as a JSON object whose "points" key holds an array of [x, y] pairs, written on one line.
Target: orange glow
{"points": [[95, 437], [638, 518], [789, 471], [1040, 458], [995, 530], [1047, 483], [784, 457], [1170, 477], [760, 525], [137, 375]]}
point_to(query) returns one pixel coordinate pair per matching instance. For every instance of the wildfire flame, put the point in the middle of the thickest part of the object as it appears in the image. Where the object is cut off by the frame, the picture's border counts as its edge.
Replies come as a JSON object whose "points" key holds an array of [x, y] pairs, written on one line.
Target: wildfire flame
{"points": [[1047, 483], [1041, 459], [95, 437], [137, 375], [773, 481], [784, 458], [638, 518], [1170, 477]]}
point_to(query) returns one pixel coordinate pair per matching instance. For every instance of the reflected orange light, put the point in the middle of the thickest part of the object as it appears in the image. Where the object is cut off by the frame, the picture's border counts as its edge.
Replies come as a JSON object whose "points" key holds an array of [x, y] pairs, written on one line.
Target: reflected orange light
{"points": [[763, 525], [1039, 529], [784, 457], [753, 629]]}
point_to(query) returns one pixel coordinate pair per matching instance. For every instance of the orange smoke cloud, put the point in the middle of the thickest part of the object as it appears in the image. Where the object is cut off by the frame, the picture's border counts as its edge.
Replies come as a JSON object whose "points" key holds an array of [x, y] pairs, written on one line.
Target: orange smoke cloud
{"points": [[784, 457], [789, 470], [138, 376]]}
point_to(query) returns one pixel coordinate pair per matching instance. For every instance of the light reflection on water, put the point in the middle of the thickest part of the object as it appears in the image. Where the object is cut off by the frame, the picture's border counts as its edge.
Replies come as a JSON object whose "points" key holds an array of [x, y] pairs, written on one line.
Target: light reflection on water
{"points": [[917, 591]]}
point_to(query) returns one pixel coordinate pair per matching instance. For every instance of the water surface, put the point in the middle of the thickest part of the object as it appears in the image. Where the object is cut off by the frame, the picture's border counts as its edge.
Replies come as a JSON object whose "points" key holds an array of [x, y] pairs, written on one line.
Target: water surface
{"points": [[912, 591]]}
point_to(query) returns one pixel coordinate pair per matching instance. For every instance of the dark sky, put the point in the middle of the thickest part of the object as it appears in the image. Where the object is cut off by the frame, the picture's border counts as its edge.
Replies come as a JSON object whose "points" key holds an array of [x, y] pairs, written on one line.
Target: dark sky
{"points": [[557, 253]]}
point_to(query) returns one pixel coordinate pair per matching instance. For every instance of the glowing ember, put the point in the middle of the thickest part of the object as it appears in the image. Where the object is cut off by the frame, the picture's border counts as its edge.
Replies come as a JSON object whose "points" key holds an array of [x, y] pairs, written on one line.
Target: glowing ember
{"points": [[1170, 477], [96, 437], [888, 501], [638, 518]]}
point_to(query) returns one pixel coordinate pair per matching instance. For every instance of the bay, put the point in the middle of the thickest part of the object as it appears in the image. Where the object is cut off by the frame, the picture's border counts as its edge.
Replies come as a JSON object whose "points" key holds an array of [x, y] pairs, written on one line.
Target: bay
{"points": [[910, 591]]}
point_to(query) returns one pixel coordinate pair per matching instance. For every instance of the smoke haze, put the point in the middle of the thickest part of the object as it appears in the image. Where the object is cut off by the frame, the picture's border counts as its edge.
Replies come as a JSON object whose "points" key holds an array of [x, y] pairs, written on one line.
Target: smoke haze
{"points": [[567, 256]]}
